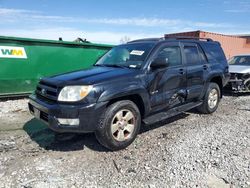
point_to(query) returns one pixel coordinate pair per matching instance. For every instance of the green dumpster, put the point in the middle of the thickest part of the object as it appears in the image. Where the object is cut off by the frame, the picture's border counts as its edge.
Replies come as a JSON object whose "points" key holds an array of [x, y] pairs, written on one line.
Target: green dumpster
{"points": [[24, 61]]}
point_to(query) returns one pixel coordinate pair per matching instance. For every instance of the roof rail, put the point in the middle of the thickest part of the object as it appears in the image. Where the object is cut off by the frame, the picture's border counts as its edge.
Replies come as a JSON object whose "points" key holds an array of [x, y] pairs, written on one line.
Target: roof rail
{"points": [[187, 37], [146, 39]]}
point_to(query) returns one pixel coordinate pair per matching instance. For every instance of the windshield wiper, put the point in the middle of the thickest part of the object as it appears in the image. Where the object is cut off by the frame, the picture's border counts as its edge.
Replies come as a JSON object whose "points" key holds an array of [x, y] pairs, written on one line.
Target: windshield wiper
{"points": [[119, 66], [99, 65], [111, 65]]}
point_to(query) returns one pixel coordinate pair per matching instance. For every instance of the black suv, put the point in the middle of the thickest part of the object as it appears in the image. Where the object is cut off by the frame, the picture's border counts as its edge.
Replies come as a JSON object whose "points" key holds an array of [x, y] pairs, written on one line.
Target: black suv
{"points": [[144, 80]]}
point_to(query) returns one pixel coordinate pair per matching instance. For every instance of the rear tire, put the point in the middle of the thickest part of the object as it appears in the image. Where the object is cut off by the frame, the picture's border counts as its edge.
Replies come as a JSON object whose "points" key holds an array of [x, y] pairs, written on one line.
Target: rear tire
{"points": [[119, 125], [211, 99]]}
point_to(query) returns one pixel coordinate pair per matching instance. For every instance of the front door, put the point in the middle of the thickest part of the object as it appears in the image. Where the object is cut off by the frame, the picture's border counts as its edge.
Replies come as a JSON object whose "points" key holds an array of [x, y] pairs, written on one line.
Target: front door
{"points": [[168, 86]]}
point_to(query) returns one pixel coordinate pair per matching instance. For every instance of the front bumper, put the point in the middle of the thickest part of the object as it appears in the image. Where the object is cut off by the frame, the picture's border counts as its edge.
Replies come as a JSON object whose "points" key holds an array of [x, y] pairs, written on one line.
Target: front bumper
{"points": [[88, 114], [236, 85]]}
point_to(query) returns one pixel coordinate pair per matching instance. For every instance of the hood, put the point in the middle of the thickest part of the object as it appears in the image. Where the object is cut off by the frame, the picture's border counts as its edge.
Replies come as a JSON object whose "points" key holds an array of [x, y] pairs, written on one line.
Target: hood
{"points": [[93, 75], [239, 69]]}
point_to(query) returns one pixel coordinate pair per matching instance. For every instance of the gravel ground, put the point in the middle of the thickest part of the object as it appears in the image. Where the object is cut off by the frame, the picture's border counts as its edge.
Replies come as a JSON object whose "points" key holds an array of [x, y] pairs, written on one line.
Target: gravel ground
{"points": [[189, 150]]}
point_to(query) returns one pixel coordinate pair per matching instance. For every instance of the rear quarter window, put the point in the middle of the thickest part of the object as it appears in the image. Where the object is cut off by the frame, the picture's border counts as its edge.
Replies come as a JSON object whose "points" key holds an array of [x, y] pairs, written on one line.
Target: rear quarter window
{"points": [[214, 52]]}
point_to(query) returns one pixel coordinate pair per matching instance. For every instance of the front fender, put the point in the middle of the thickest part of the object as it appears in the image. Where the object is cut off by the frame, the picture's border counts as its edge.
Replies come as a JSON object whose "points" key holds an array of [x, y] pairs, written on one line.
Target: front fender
{"points": [[125, 90]]}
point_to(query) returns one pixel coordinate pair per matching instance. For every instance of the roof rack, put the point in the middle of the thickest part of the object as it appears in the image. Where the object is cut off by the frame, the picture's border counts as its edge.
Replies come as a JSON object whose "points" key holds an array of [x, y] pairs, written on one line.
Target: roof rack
{"points": [[146, 39], [187, 37], [166, 37]]}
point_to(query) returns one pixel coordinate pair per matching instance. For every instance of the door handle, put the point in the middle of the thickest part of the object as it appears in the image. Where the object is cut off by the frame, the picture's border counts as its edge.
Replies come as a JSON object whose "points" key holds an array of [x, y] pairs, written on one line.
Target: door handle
{"points": [[181, 71], [205, 67]]}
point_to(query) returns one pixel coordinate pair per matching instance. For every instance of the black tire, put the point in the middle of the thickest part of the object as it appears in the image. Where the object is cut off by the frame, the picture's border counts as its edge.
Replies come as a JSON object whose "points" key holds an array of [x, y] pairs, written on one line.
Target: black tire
{"points": [[205, 108], [104, 134]]}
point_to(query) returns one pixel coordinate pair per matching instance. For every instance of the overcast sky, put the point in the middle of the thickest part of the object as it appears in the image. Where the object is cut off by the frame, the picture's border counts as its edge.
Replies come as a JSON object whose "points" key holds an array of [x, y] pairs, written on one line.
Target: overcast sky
{"points": [[108, 21]]}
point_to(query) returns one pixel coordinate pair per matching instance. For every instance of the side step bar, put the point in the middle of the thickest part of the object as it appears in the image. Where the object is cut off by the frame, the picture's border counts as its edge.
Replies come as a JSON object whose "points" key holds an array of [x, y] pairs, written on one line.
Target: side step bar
{"points": [[170, 113]]}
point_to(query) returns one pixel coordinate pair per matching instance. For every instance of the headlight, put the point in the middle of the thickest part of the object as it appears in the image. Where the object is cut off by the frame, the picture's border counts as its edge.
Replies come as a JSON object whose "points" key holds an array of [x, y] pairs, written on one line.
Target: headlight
{"points": [[74, 93]]}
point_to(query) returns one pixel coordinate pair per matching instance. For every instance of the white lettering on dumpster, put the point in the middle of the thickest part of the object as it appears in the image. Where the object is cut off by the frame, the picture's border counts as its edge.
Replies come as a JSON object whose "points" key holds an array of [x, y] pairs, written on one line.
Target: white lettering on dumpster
{"points": [[12, 52]]}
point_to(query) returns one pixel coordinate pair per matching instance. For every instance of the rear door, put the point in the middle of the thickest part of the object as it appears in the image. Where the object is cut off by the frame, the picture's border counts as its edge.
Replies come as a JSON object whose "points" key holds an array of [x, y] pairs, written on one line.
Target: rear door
{"points": [[197, 67]]}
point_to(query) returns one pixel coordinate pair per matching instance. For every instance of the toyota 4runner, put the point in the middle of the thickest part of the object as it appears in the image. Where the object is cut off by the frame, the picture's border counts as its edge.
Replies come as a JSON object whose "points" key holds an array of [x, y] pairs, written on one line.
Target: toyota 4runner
{"points": [[145, 80]]}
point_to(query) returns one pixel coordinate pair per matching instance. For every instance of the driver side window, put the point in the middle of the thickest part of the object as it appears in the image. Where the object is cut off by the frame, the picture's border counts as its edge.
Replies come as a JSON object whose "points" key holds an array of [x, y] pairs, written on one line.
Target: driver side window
{"points": [[172, 54]]}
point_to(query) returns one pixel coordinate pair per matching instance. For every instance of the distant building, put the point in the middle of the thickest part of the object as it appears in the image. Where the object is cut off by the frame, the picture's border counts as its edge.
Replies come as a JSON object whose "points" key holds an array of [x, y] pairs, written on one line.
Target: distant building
{"points": [[231, 44]]}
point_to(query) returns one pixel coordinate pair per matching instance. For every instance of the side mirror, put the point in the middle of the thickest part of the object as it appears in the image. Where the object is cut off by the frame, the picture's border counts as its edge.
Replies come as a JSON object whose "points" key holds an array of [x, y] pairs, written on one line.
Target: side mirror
{"points": [[159, 62]]}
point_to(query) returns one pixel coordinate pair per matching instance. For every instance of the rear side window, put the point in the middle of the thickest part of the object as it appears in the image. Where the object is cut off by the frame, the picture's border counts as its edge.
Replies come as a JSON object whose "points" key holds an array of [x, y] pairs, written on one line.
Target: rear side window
{"points": [[214, 51], [192, 54]]}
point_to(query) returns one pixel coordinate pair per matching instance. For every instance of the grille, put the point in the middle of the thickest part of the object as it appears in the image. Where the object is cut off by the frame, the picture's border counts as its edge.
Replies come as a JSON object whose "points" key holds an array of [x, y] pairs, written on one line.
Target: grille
{"points": [[47, 91]]}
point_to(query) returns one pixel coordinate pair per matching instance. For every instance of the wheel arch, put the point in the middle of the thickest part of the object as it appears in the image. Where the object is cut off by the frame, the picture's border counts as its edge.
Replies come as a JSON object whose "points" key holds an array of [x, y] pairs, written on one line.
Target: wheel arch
{"points": [[135, 98], [218, 80]]}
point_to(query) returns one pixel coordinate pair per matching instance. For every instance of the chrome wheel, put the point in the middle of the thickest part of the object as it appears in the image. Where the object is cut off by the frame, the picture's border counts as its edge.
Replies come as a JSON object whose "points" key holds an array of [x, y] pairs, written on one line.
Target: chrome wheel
{"points": [[123, 125], [213, 98]]}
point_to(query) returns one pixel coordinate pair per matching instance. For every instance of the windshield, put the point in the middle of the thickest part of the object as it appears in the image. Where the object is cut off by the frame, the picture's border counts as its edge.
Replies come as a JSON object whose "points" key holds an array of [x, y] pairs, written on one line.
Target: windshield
{"points": [[240, 60], [127, 55]]}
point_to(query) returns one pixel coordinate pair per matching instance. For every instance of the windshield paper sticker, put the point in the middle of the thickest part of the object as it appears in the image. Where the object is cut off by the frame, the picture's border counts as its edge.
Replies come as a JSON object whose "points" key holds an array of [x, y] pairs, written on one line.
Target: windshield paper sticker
{"points": [[133, 66], [12, 52], [137, 52]]}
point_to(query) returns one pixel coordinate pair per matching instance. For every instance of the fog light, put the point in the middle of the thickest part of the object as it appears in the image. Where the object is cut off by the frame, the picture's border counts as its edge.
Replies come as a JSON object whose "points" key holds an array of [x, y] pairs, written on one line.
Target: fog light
{"points": [[68, 121]]}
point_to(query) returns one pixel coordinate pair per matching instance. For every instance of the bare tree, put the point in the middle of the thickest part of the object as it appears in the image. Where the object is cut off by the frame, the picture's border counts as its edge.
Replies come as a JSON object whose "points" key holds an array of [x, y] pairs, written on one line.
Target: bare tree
{"points": [[124, 39]]}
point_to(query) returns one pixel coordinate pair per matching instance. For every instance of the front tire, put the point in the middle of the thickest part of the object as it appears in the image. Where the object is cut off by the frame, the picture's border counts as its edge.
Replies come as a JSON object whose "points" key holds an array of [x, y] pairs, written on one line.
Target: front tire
{"points": [[119, 125], [211, 99]]}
